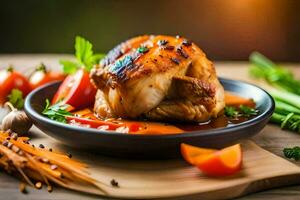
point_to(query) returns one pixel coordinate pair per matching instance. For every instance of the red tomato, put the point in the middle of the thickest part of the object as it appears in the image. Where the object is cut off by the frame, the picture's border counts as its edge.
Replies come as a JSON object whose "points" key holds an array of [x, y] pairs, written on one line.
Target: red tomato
{"points": [[76, 90], [10, 79], [41, 76]]}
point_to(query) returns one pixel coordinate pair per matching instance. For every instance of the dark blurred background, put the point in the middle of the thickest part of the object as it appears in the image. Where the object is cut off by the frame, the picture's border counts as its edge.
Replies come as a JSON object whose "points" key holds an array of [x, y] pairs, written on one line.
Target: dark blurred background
{"points": [[224, 29]]}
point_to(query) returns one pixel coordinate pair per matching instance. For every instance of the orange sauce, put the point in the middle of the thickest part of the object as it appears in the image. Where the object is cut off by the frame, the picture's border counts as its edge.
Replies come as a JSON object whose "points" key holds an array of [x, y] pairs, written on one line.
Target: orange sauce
{"points": [[152, 128]]}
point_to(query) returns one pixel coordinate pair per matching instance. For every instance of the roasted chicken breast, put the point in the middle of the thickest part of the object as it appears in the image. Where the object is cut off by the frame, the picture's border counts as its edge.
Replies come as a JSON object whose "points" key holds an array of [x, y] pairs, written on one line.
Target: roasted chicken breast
{"points": [[158, 78]]}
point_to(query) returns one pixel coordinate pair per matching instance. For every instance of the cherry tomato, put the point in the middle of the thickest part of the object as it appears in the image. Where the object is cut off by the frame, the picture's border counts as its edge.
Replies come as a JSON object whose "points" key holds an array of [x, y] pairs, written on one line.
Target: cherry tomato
{"points": [[10, 79], [41, 76], [76, 90]]}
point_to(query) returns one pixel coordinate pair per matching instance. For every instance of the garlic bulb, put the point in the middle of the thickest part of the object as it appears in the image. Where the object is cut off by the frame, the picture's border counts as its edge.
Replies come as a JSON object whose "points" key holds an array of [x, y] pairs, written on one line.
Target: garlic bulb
{"points": [[16, 121]]}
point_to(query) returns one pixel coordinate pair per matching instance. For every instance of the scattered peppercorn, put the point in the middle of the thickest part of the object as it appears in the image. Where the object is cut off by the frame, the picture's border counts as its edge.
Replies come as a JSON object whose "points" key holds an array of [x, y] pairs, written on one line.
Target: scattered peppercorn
{"points": [[38, 185], [49, 188], [5, 143], [69, 155], [41, 146], [114, 183], [50, 149]]}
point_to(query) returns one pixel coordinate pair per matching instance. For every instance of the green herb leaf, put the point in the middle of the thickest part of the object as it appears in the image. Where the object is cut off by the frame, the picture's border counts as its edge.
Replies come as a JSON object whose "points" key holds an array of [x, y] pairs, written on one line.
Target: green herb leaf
{"points": [[292, 153], [94, 59], [85, 57], [231, 112], [57, 112], [247, 111], [242, 111], [16, 98], [83, 49], [69, 67]]}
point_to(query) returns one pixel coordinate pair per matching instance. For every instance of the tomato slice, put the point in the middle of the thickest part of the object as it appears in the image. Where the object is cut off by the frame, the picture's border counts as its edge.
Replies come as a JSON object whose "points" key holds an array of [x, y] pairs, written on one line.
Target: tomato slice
{"points": [[39, 78], [10, 79], [76, 90]]}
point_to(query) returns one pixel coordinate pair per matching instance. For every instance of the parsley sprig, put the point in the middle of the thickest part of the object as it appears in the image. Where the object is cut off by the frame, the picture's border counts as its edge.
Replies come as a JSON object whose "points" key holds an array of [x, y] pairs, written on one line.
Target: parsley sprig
{"points": [[292, 153], [85, 57], [57, 112], [16, 98], [241, 111]]}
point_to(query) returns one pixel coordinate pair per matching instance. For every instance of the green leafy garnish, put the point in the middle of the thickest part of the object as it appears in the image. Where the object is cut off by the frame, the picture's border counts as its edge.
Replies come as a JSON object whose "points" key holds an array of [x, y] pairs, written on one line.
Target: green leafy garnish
{"points": [[292, 153], [69, 67], [16, 98], [57, 112], [241, 111], [247, 111], [84, 55], [231, 112]]}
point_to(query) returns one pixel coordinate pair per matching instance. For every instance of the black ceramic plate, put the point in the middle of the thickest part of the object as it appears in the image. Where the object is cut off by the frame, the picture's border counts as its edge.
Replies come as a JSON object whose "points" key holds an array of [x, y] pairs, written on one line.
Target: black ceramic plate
{"points": [[127, 145]]}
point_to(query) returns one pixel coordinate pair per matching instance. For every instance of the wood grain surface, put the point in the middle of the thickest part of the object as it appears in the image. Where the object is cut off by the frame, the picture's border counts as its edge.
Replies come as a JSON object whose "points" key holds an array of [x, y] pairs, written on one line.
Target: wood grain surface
{"points": [[271, 138]]}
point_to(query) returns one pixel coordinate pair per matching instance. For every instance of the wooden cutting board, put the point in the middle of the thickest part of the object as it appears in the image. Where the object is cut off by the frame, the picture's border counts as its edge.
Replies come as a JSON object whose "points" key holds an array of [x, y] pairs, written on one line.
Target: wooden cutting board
{"points": [[148, 179]]}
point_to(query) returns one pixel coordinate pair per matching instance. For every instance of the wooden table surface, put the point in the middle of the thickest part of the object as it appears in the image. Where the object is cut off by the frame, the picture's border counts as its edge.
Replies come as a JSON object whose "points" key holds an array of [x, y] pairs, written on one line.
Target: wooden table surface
{"points": [[272, 138]]}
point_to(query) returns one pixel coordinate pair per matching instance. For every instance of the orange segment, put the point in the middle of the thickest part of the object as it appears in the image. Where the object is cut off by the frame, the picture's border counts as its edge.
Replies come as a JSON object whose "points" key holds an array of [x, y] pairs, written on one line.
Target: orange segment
{"points": [[231, 156], [189, 152], [213, 162], [221, 163]]}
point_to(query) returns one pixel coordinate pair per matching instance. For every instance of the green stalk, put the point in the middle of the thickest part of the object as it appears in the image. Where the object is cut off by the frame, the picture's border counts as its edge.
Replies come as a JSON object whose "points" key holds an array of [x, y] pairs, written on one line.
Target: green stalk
{"points": [[290, 121], [277, 76], [284, 108], [277, 118], [258, 59], [286, 97]]}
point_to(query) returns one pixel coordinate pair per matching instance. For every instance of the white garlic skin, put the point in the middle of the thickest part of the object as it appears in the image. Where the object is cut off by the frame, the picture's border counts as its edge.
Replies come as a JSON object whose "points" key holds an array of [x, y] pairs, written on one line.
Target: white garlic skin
{"points": [[16, 121]]}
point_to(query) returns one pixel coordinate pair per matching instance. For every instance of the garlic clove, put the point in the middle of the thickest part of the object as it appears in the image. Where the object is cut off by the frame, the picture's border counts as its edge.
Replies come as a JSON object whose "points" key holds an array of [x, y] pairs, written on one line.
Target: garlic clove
{"points": [[16, 121]]}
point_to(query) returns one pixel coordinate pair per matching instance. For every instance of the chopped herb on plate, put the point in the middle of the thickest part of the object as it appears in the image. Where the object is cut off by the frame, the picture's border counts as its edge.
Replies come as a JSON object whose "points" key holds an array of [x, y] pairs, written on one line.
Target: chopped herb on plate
{"points": [[241, 111], [57, 112]]}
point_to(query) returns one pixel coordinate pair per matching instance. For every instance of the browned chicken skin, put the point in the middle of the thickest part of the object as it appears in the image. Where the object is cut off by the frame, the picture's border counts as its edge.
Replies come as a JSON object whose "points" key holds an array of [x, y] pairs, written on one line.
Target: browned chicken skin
{"points": [[159, 78]]}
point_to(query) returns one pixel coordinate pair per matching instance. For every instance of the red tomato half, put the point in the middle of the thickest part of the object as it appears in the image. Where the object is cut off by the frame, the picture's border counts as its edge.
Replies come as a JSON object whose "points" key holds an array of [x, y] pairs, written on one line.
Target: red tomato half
{"points": [[76, 90], [10, 79], [41, 77]]}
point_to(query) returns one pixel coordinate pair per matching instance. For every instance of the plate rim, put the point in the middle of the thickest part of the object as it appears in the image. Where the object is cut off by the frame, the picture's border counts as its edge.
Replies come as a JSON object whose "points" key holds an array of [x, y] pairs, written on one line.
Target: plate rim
{"points": [[204, 133]]}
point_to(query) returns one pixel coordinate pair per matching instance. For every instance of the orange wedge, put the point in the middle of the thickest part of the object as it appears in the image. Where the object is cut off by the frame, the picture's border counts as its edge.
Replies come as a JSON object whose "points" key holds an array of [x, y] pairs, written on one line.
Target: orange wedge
{"points": [[189, 152], [212, 162]]}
